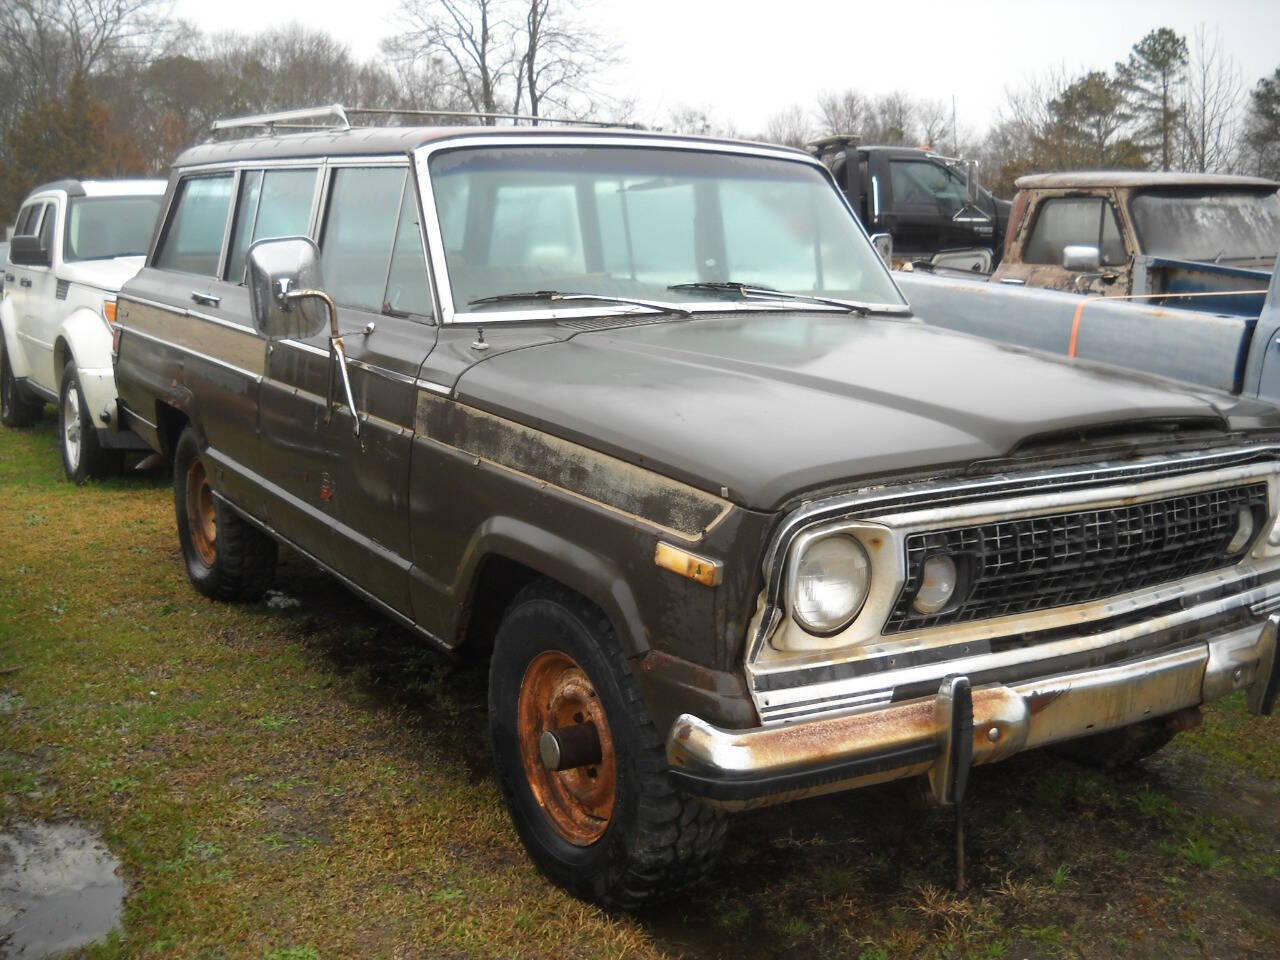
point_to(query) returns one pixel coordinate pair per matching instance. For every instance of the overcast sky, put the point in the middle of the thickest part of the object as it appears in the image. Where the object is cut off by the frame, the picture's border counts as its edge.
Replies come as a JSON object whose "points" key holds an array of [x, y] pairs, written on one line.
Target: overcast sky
{"points": [[744, 59]]}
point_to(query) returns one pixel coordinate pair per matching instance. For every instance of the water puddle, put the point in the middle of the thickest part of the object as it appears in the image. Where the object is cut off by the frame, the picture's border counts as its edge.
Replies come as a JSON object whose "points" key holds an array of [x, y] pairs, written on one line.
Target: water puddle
{"points": [[60, 888]]}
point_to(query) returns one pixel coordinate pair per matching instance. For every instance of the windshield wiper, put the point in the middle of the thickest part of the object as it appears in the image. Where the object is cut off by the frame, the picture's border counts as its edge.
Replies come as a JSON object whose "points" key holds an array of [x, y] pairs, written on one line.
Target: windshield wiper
{"points": [[756, 292], [557, 296]]}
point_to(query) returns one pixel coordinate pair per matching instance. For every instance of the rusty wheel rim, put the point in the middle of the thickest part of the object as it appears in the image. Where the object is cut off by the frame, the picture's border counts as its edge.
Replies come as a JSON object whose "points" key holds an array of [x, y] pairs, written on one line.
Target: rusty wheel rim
{"points": [[578, 803], [201, 518]]}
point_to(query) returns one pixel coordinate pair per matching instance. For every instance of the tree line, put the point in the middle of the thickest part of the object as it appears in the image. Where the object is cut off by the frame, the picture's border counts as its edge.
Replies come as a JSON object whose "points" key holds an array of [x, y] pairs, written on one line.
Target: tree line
{"points": [[115, 88], [1174, 104]]}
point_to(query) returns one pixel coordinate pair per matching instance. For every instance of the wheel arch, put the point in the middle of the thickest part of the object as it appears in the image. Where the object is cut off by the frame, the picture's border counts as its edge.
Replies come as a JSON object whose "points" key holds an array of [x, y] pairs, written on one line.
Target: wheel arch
{"points": [[507, 554]]}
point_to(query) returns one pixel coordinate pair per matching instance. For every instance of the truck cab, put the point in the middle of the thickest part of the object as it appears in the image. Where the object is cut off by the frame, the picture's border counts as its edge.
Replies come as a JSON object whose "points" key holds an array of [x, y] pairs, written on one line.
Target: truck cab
{"points": [[928, 203], [1166, 236]]}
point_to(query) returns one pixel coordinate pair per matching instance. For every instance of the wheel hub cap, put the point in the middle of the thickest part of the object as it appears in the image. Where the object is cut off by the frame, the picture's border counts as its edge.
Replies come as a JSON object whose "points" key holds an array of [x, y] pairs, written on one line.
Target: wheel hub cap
{"points": [[201, 517], [71, 426], [556, 694]]}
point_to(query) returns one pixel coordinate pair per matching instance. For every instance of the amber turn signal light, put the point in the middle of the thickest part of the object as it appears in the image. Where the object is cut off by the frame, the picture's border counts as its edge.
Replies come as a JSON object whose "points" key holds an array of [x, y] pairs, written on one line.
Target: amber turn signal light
{"points": [[704, 571]]}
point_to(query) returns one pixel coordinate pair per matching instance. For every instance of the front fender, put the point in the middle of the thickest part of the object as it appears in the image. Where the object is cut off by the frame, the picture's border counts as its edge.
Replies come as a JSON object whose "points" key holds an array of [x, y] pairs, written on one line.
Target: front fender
{"points": [[86, 337], [594, 576]]}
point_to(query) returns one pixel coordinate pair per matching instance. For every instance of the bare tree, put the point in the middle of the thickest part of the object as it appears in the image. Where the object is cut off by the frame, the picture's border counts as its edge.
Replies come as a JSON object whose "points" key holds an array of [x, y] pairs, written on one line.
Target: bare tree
{"points": [[843, 113], [934, 120], [561, 58], [894, 119], [1211, 114], [790, 127], [475, 37]]}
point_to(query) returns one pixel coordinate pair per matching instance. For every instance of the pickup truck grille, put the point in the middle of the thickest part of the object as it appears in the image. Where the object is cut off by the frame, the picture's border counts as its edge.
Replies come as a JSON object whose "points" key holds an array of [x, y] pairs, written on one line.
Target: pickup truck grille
{"points": [[1014, 566]]}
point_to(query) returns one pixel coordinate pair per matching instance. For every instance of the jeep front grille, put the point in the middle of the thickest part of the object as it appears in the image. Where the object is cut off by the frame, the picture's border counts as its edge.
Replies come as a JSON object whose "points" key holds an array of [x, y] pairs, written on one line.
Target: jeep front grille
{"points": [[1013, 566]]}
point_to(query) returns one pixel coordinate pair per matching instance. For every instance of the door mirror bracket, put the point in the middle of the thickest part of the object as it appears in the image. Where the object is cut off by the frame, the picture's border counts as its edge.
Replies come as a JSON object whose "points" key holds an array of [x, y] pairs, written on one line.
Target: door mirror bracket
{"points": [[285, 286]]}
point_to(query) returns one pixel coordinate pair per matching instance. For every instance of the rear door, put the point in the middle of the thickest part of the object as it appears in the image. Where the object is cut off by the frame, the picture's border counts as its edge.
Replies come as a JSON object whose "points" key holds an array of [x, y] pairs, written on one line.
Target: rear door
{"points": [[33, 289], [347, 495], [46, 304], [18, 280]]}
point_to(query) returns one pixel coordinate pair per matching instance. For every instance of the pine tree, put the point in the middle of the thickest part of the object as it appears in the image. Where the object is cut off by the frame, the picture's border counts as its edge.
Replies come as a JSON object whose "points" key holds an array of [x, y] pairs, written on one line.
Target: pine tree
{"points": [[1150, 81], [1263, 131]]}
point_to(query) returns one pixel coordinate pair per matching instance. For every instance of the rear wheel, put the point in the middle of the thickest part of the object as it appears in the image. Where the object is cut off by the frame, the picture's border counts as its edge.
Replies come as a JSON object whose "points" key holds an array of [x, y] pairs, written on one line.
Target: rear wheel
{"points": [[580, 764], [227, 557], [83, 455], [16, 408]]}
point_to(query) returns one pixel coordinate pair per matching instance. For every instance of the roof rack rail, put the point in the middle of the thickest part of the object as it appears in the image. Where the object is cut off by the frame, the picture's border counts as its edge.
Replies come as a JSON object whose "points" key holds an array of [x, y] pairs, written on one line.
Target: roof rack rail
{"points": [[286, 118], [296, 119]]}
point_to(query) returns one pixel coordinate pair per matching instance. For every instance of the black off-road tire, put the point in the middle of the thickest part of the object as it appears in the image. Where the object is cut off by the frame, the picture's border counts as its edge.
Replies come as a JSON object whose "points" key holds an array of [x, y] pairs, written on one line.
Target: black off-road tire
{"points": [[16, 408], [239, 561], [1116, 749], [85, 457], [657, 840]]}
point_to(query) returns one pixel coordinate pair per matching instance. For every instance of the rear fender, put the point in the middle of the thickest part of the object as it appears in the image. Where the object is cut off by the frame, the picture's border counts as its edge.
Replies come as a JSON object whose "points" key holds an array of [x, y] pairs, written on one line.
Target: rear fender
{"points": [[12, 348]]}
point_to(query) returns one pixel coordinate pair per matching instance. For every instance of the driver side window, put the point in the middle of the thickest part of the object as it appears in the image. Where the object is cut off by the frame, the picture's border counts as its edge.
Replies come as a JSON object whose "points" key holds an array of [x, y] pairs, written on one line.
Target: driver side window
{"points": [[1075, 221]]}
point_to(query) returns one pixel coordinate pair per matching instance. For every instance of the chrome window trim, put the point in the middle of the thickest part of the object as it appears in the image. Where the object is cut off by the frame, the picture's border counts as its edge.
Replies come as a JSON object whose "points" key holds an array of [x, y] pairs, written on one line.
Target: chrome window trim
{"points": [[435, 247]]}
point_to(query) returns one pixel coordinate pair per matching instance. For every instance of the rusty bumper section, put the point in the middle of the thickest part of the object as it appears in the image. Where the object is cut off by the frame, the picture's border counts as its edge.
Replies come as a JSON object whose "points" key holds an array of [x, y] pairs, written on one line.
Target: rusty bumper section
{"points": [[764, 765]]}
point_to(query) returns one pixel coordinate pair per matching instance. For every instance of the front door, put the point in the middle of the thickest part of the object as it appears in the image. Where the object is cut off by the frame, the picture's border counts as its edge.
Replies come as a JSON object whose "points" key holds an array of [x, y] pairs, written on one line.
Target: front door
{"points": [[1062, 221], [349, 494]]}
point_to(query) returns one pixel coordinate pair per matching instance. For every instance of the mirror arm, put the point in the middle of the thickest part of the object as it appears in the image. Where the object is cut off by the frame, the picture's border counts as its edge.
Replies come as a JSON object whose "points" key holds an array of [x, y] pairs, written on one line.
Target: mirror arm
{"points": [[337, 353]]}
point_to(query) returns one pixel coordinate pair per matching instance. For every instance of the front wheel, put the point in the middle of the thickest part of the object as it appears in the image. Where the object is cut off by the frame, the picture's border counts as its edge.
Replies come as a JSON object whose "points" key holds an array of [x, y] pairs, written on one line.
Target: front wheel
{"points": [[227, 557], [83, 455], [16, 409], [579, 762]]}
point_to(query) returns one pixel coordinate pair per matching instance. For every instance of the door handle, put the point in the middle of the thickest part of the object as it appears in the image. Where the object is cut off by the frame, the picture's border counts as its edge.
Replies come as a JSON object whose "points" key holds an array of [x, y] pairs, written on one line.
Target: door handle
{"points": [[208, 299], [24, 282]]}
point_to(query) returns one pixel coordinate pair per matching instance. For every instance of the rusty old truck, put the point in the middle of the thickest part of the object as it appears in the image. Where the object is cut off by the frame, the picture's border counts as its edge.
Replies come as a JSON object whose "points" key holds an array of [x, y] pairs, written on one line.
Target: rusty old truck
{"points": [[645, 420], [1167, 237]]}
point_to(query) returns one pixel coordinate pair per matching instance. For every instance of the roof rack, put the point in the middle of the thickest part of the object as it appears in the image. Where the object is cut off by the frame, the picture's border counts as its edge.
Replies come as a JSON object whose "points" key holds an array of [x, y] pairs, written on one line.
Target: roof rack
{"points": [[340, 117]]}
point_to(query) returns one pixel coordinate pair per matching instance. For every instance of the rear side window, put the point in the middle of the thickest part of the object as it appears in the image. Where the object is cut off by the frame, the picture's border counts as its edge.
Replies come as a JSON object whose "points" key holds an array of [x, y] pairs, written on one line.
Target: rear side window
{"points": [[359, 232], [193, 241], [1075, 221], [274, 203], [28, 220], [46, 226]]}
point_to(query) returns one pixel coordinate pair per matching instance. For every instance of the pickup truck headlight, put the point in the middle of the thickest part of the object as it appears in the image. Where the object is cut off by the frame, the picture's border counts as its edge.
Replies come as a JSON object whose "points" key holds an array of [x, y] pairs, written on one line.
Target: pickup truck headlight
{"points": [[832, 577]]}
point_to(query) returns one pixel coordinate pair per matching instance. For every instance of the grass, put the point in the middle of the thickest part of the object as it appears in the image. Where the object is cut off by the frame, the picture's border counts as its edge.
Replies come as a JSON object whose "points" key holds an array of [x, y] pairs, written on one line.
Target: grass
{"points": [[307, 782]]}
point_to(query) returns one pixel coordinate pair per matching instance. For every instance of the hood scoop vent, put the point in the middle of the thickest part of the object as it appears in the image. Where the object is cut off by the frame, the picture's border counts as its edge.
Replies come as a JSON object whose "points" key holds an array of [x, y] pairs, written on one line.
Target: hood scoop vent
{"points": [[1108, 441]]}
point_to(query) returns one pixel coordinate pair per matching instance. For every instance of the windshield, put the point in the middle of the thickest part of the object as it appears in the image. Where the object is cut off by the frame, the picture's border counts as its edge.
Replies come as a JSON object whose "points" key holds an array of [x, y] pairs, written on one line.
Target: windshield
{"points": [[1187, 225], [99, 228], [634, 221]]}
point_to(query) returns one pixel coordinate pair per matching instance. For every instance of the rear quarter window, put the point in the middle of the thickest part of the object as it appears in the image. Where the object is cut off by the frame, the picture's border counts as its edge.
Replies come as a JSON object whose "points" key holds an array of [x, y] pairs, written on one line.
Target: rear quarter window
{"points": [[192, 241]]}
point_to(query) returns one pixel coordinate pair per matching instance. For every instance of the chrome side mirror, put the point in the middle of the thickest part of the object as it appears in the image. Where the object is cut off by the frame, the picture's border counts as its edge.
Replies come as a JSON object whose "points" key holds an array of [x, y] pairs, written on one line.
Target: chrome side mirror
{"points": [[282, 273], [884, 246], [286, 292], [1081, 258]]}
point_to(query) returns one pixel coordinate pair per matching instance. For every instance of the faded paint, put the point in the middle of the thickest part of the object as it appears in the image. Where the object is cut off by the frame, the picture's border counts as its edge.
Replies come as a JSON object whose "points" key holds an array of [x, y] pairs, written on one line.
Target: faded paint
{"points": [[674, 508]]}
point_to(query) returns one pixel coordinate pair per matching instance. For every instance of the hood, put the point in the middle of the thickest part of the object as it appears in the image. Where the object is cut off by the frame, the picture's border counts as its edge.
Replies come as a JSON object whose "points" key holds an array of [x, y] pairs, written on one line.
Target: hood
{"points": [[109, 275], [773, 404]]}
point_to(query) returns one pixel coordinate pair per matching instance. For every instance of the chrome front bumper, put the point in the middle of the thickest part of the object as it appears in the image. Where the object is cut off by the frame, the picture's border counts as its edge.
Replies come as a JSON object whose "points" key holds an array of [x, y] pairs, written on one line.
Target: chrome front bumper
{"points": [[764, 765]]}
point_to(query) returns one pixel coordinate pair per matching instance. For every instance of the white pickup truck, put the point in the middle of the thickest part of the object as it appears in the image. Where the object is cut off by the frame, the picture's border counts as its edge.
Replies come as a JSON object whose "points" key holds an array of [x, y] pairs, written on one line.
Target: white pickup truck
{"points": [[74, 245]]}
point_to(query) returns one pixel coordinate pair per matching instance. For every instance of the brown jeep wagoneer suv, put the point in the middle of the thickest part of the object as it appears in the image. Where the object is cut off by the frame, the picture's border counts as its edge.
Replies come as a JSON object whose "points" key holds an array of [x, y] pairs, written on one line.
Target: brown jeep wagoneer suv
{"points": [[646, 417]]}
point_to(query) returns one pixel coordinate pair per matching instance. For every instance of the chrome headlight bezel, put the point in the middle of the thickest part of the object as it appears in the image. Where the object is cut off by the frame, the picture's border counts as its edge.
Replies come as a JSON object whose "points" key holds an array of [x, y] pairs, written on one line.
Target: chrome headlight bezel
{"points": [[857, 582]]}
